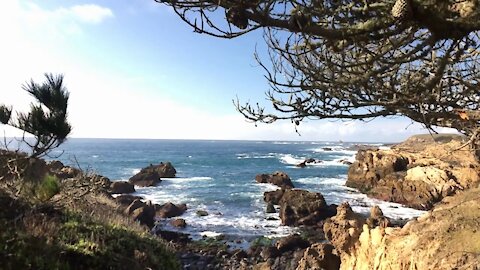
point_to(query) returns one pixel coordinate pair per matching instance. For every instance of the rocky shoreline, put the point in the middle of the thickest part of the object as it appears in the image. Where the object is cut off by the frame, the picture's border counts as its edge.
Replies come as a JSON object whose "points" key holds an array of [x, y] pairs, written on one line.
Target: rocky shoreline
{"points": [[420, 173]]}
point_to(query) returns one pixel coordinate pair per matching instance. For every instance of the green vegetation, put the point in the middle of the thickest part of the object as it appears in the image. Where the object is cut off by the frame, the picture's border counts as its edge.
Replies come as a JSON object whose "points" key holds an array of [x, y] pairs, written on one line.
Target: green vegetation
{"points": [[262, 242], [47, 119], [62, 240], [218, 243], [47, 188]]}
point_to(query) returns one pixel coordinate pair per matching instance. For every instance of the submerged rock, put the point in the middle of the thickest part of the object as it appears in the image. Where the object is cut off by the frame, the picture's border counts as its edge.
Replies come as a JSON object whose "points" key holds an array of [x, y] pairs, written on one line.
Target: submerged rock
{"points": [[202, 213], [270, 208], [280, 179]]}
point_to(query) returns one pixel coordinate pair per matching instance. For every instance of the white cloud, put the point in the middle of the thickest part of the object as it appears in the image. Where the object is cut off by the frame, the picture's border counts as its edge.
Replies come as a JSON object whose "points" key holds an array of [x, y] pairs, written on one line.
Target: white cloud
{"points": [[39, 21], [108, 105], [91, 13]]}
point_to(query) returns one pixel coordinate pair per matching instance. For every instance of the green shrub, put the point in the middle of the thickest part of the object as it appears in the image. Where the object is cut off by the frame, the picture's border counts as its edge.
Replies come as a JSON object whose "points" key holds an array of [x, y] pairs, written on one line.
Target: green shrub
{"points": [[47, 188], [262, 241]]}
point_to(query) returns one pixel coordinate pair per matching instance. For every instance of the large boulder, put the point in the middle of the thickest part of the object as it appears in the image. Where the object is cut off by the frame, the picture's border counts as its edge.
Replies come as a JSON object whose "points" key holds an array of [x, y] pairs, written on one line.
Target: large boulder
{"points": [[280, 179], [121, 187], [145, 215], [166, 170], [301, 207], [169, 210], [151, 175], [142, 212], [145, 178]]}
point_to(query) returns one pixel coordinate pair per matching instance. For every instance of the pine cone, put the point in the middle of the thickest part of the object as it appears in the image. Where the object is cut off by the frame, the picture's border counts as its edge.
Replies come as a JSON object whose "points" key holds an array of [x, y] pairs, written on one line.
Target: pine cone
{"points": [[402, 9]]}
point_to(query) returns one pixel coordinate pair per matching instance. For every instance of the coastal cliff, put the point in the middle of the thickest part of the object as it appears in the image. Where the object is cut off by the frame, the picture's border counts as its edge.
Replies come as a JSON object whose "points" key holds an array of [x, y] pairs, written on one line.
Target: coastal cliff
{"points": [[445, 238], [418, 172]]}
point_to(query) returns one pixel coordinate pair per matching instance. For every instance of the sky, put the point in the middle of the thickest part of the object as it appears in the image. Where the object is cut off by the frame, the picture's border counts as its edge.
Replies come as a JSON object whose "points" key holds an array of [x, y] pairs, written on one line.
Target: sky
{"points": [[135, 70]]}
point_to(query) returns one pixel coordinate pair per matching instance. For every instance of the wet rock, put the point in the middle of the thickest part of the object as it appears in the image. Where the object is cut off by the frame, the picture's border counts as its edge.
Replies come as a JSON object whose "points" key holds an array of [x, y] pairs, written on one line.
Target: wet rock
{"points": [[119, 187], [202, 213], [280, 179], [169, 210], [150, 176], [145, 178], [166, 170], [291, 242], [301, 207], [179, 222], [273, 196], [270, 208]]}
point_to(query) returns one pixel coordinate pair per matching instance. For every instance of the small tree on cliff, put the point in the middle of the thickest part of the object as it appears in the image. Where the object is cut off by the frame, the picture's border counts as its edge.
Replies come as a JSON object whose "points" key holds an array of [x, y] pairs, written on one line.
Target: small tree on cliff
{"points": [[47, 119], [345, 59]]}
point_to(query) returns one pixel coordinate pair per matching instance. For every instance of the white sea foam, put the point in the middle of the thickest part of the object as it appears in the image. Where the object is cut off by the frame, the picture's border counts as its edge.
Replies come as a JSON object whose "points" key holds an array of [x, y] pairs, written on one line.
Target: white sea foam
{"points": [[295, 160], [290, 159], [335, 191], [255, 156], [210, 234], [188, 179], [334, 150]]}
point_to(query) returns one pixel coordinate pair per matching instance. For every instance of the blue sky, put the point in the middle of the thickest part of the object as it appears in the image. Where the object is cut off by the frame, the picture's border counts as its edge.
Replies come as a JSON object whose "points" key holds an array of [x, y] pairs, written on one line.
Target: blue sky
{"points": [[135, 70]]}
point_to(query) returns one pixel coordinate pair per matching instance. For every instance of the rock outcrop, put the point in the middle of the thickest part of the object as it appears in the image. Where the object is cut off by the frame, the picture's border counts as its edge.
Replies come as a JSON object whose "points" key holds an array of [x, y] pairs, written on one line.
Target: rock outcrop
{"points": [[169, 210], [280, 179], [121, 187], [417, 173], [299, 207], [142, 212], [319, 256], [151, 175], [445, 238]]}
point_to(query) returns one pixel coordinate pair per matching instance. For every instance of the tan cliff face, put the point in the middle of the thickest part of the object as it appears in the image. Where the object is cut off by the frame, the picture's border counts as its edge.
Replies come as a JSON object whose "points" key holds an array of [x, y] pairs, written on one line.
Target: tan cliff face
{"points": [[418, 173], [446, 238]]}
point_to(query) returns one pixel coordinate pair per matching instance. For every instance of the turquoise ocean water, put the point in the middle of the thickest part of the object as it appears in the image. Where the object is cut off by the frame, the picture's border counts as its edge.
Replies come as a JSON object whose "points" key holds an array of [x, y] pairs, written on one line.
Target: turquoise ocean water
{"points": [[219, 177]]}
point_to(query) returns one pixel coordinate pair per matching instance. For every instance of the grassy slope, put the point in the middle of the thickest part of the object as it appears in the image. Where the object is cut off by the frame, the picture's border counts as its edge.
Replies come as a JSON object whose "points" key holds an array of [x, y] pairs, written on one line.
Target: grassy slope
{"points": [[76, 233]]}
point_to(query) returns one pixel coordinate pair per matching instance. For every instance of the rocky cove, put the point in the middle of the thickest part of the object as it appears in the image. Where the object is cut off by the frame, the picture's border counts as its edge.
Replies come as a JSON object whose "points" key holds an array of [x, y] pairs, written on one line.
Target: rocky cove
{"points": [[424, 172]]}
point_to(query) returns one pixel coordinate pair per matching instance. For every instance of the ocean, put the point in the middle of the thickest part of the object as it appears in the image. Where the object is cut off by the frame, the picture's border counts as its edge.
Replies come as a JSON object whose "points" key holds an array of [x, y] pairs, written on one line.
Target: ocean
{"points": [[219, 177]]}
